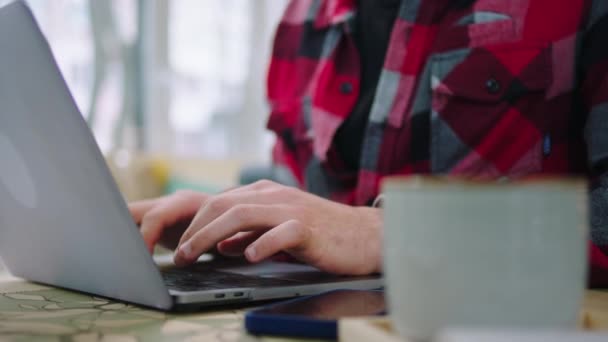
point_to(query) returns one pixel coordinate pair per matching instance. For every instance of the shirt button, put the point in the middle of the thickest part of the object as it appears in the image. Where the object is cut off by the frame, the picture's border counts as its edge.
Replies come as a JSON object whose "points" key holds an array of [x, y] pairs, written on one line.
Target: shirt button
{"points": [[493, 86], [346, 88]]}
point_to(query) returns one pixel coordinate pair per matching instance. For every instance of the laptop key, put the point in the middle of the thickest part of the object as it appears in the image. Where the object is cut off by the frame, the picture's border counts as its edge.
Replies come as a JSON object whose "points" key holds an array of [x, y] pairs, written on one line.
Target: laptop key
{"points": [[186, 280]]}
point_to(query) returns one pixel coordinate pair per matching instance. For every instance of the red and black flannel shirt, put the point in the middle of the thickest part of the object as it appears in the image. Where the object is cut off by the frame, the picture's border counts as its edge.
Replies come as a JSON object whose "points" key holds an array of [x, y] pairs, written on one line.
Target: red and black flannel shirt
{"points": [[491, 88]]}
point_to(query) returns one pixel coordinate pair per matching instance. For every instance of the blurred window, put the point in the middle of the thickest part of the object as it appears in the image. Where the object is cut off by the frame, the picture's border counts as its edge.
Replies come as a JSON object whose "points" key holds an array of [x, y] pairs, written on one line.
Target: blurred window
{"points": [[191, 82]]}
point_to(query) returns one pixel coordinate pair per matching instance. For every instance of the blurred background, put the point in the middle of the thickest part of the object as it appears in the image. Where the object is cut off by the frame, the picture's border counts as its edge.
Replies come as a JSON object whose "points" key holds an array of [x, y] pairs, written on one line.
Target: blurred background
{"points": [[179, 84], [174, 90]]}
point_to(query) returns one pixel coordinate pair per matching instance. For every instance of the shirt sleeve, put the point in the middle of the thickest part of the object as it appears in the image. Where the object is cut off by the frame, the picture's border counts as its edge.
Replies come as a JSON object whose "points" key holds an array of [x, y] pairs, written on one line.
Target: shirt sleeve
{"points": [[282, 89], [594, 94]]}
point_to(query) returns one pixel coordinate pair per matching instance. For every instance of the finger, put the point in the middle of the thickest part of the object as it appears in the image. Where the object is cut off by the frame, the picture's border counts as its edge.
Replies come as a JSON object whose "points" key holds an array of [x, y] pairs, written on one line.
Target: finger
{"points": [[292, 237], [235, 246], [218, 205], [255, 186], [172, 210], [140, 208], [240, 218]]}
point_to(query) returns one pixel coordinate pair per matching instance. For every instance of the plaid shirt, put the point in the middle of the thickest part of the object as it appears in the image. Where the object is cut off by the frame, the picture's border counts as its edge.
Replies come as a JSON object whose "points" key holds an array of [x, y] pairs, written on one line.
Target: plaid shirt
{"points": [[469, 87]]}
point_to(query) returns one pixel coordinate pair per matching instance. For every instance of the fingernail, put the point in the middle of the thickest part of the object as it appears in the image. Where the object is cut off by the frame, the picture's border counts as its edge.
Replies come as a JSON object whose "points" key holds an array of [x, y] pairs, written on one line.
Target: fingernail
{"points": [[185, 250], [250, 253]]}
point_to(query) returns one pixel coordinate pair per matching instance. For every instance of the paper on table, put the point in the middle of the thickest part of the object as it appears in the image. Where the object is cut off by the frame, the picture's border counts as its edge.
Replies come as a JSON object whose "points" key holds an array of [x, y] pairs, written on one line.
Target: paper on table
{"points": [[521, 336]]}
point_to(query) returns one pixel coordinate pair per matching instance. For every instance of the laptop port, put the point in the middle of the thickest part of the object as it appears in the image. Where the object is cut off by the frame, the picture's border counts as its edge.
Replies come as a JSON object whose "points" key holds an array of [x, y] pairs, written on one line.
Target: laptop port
{"points": [[239, 294], [220, 295]]}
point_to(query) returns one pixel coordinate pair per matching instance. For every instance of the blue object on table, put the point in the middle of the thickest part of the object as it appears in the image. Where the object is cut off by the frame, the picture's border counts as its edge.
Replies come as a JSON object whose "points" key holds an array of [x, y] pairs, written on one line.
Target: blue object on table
{"points": [[314, 316]]}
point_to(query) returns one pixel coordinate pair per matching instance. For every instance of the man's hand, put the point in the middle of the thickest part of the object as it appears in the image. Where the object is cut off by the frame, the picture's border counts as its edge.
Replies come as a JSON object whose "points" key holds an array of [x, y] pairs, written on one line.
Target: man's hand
{"points": [[163, 220], [264, 218]]}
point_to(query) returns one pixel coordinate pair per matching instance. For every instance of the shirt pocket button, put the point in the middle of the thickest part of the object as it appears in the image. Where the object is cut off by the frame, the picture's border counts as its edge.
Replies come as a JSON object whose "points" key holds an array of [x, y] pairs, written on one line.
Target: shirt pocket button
{"points": [[346, 88], [493, 86]]}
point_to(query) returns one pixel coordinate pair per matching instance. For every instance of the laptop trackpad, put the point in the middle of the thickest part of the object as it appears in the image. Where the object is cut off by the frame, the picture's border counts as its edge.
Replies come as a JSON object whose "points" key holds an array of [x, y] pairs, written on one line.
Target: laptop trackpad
{"points": [[269, 268], [282, 270], [265, 269]]}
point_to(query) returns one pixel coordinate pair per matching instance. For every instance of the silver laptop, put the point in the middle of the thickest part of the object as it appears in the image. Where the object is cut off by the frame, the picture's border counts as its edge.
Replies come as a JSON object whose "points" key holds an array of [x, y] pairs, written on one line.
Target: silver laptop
{"points": [[63, 221]]}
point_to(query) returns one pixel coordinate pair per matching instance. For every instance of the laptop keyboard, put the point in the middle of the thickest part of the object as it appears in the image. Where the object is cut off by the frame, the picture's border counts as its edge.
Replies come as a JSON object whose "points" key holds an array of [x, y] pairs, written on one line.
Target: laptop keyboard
{"points": [[188, 280]]}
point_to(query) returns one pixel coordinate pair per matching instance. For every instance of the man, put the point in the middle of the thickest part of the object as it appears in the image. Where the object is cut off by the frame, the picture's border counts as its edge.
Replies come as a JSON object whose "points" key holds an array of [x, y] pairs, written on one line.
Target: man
{"points": [[364, 89]]}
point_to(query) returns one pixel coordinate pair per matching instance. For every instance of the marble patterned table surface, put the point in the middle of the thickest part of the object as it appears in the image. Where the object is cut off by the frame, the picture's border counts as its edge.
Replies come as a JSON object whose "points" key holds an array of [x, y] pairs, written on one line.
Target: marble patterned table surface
{"points": [[35, 312]]}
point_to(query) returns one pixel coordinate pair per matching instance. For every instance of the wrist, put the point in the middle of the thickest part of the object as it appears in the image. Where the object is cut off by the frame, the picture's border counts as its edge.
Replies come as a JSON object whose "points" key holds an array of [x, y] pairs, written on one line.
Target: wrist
{"points": [[371, 220]]}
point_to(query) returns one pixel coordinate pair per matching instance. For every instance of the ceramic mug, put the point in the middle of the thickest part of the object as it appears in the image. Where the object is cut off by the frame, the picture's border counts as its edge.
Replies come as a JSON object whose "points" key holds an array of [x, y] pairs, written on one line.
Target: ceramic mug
{"points": [[461, 253]]}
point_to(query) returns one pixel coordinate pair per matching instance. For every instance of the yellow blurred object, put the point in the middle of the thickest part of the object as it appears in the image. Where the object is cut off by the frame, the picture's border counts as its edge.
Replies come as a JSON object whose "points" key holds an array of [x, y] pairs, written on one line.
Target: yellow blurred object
{"points": [[141, 176], [160, 170], [138, 177], [219, 174], [595, 312]]}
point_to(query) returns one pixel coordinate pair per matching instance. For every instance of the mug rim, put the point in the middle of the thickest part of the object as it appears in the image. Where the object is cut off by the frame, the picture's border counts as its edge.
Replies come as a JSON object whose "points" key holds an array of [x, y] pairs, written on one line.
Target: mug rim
{"points": [[451, 182]]}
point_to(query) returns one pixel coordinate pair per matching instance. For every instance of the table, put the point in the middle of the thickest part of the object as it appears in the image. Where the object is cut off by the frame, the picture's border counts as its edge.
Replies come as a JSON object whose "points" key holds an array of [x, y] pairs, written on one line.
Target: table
{"points": [[34, 312]]}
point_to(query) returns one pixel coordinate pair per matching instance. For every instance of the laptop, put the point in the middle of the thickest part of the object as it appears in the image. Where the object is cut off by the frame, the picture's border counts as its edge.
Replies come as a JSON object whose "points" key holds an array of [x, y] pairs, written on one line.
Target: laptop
{"points": [[63, 221]]}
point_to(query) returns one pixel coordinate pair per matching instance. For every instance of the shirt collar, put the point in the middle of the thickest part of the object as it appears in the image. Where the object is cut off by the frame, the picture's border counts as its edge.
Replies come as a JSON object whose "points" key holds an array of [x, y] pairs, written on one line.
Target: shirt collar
{"points": [[333, 12]]}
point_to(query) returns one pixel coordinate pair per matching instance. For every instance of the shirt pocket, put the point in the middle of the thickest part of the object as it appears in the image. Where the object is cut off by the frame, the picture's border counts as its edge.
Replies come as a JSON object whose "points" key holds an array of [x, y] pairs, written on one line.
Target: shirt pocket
{"points": [[474, 35], [496, 22], [484, 106]]}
